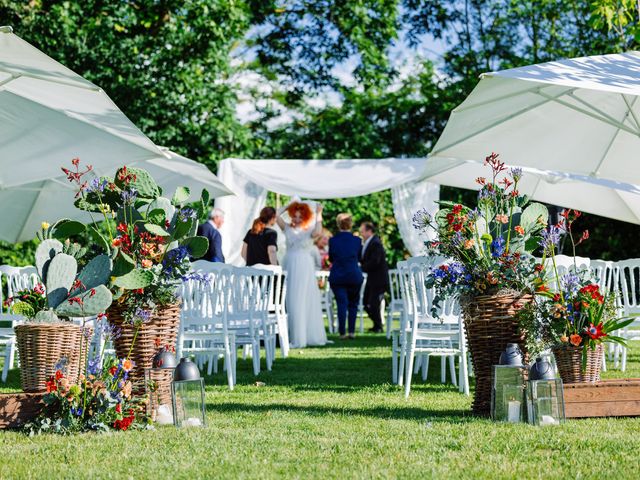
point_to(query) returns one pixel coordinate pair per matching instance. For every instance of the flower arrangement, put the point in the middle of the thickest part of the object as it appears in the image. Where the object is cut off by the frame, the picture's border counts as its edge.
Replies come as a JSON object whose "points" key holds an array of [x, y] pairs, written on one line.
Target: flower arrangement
{"points": [[101, 401], [487, 248], [149, 237], [570, 309]]}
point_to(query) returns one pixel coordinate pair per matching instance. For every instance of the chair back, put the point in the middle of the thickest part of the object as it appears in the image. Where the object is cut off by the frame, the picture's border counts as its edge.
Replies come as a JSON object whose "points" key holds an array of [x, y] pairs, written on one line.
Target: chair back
{"points": [[394, 286], [628, 273], [14, 279]]}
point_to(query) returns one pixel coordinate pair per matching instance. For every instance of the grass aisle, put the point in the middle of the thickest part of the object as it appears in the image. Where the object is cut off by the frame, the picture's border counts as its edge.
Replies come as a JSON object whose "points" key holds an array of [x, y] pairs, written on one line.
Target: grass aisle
{"points": [[333, 413]]}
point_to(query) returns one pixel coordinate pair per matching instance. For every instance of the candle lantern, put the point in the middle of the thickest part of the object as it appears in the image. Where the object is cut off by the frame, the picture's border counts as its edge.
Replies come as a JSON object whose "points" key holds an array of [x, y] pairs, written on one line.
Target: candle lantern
{"points": [[187, 395], [507, 395], [545, 396], [158, 380]]}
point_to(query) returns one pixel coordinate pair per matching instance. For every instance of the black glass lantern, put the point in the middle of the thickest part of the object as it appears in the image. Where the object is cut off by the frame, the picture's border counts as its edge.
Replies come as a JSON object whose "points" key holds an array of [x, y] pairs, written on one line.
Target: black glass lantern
{"points": [[545, 395], [508, 393], [187, 395], [158, 380]]}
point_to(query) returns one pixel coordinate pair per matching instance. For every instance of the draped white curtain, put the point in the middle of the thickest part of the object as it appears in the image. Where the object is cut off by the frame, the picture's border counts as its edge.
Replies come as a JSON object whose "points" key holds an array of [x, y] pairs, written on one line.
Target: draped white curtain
{"points": [[250, 180]]}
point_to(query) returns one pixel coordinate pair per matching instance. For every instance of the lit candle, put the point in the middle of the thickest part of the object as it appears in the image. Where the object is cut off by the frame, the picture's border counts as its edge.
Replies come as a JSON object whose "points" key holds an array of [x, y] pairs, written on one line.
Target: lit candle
{"points": [[548, 420], [514, 411], [192, 422], [164, 415]]}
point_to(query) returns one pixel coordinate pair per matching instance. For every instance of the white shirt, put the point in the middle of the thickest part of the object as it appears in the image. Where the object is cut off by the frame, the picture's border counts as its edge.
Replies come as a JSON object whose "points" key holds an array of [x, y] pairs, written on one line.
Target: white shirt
{"points": [[366, 244]]}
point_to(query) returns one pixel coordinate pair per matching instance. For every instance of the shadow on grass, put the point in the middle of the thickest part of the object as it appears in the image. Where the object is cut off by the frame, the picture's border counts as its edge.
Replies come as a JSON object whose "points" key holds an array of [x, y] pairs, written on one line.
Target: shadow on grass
{"points": [[392, 413]]}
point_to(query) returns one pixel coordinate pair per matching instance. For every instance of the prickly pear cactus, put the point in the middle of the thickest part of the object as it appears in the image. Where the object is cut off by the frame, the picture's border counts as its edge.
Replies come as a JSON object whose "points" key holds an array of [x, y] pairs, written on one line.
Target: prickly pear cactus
{"points": [[138, 180], [60, 277], [44, 253], [96, 272], [46, 316], [87, 303], [136, 278]]}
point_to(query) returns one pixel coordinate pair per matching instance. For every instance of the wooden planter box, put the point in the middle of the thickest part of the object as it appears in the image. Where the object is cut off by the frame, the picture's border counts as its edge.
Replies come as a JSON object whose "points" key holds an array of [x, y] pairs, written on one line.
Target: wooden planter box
{"points": [[18, 408], [607, 398]]}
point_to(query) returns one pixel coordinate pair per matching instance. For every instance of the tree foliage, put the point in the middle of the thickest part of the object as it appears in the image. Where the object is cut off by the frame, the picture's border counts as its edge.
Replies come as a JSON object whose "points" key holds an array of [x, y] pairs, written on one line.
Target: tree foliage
{"points": [[171, 65]]}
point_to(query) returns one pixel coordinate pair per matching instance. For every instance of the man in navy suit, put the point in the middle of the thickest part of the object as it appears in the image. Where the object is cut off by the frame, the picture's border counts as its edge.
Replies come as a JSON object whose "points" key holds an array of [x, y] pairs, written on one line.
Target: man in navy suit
{"points": [[210, 230], [345, 277], [373, 261]]}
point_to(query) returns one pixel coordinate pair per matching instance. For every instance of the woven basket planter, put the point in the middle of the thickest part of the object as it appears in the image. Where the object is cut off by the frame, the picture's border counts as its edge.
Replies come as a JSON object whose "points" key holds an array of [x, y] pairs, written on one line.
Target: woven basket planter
{"points": [[569, 362], [42, 345], [160, 330], [490, 323]]}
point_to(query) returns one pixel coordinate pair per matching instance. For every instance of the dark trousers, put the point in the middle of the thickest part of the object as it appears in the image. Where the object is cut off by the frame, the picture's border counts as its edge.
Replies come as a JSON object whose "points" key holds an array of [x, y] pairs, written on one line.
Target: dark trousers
{"points": [[373, 296], [347, 299]]}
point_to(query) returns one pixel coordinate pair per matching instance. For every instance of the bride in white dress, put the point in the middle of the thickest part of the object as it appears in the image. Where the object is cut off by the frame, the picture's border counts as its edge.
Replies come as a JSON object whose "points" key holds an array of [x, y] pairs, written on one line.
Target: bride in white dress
{"points": [[306, 325]]}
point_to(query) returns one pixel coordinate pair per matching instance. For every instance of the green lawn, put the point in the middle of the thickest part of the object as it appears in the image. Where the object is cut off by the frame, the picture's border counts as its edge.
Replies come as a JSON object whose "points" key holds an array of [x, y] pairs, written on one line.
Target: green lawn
{"points": [[333, 413]]}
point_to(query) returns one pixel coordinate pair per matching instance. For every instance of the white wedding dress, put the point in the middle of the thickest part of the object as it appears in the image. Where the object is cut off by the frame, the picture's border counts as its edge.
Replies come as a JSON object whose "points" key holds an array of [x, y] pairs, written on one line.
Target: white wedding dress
{"points": [[306, 325]]}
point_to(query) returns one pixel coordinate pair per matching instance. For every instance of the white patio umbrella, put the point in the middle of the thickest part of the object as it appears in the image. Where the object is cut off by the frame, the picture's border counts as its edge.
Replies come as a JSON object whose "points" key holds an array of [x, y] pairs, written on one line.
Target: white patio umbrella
{"points": [[579, 116], [49, 115], [25, 207], [606, 198]]}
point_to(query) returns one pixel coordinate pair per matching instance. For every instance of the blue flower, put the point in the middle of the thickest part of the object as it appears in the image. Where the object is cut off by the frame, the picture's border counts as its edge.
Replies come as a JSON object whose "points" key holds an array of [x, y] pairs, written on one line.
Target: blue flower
{"points": [[516, 174], [421, 219], [185, 214], [94, 367], [76, 411], [142, 315], [497, 247], [550, 238], [129, 196], [97, 185], [571, 283]]}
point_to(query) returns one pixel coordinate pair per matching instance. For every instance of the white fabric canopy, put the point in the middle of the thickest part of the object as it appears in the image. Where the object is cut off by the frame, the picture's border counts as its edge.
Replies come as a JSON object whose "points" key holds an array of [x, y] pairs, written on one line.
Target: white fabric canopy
{"points": [[321, 179], [49, 115], [579, 116], [51, 200]]}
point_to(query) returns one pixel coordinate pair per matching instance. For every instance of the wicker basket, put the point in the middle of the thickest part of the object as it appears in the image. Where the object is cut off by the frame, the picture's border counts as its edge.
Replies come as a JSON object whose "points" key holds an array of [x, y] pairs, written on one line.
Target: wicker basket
{"points": [[42, 345], [160, 330], [490, 325], [569, 362]]}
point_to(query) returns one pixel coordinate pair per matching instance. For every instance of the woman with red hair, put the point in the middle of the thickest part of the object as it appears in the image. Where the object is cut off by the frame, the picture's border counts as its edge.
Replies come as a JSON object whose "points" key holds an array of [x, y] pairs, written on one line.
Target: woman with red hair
{"points": [[306, 325]]}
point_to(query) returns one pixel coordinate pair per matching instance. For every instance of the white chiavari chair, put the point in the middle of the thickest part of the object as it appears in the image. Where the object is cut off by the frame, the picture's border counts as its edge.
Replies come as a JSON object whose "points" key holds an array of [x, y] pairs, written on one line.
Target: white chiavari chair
{"points": [[326, 299], [396, 304], [628, 275], [278, 317], [430, 336], [361, 303], [204, 327], [12, 280]]}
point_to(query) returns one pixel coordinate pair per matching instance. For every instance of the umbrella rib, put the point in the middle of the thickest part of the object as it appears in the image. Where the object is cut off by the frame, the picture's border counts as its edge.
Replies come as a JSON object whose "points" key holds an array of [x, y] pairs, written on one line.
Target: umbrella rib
{"points": [[547, 99], [630, 107], [613, 139], [594, 113], [503, 97], [16, 75]]}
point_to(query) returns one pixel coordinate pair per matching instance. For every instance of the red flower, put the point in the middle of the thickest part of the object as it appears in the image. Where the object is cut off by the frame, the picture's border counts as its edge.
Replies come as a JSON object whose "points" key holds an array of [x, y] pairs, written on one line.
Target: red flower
{"points": [[77, 300], [119, 408], [556, 297], [59, 375], [51, 386], [457, 209], [39, 289], [539, 267], [542, 288], [139, 291], [595, 331], [113, 370]]}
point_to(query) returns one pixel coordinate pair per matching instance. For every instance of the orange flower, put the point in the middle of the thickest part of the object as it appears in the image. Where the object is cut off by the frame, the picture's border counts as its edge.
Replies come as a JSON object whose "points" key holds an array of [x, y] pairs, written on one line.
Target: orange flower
{"points": [[575, 340], [469, 243], [542, 288], [519, 230], [564, 339], [146, 263], [127, 365], [502, 218]]}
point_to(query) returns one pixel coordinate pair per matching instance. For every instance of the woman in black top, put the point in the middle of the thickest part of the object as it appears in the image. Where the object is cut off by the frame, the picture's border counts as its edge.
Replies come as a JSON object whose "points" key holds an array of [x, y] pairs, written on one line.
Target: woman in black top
{"points": [[261, 242]]}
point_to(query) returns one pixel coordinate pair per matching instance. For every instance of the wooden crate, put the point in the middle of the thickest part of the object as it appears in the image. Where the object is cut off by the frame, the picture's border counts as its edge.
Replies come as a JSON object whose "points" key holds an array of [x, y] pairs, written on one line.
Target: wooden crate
{"points": [[607, 398], [18, 408]]}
